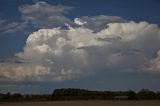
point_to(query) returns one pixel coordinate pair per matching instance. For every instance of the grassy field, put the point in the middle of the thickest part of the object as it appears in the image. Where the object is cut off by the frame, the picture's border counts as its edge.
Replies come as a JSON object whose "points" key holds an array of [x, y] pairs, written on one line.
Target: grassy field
{"points": [[85, 103]]}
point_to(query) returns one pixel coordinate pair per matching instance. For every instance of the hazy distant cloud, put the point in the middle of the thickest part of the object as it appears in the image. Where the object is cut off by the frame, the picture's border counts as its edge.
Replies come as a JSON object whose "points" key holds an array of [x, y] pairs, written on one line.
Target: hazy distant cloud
{"points": [[15, 87], [40, 14], [62, 54], [2, 21], [37, 15], [98, 23], [44, 15]]}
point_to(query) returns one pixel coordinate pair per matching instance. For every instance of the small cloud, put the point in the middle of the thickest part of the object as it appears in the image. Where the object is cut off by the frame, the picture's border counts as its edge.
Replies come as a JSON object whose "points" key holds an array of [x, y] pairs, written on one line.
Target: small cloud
{"points": [[78, 21], [113, 39], [2, 21]]}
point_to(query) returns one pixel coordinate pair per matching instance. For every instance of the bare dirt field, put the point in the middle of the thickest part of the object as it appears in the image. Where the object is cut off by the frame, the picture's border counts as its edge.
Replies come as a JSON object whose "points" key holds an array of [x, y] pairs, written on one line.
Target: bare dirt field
{"points": [[85, 103]]}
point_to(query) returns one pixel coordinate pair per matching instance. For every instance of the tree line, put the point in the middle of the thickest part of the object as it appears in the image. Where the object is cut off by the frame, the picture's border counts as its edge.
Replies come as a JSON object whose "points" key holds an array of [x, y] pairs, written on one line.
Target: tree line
{"points": [[82, 94]]}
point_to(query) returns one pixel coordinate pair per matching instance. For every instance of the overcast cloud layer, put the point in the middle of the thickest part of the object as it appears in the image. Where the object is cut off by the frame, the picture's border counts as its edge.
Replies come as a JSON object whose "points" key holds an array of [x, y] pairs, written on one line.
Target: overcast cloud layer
{"points": [[64, 49]]}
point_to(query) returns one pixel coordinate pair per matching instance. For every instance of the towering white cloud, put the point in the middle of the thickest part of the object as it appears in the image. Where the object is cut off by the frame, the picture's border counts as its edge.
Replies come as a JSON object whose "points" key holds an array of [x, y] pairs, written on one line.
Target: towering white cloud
{"points": [[61, 54]]}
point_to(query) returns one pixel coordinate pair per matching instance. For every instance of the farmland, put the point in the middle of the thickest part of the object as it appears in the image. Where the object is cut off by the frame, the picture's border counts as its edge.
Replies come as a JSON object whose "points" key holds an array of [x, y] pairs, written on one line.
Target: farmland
{"points": [[85, 103]]}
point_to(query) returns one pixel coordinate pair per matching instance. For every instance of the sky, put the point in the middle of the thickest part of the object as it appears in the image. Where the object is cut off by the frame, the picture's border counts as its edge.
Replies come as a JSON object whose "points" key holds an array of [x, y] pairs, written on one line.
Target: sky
{"points": [[89, 44]]}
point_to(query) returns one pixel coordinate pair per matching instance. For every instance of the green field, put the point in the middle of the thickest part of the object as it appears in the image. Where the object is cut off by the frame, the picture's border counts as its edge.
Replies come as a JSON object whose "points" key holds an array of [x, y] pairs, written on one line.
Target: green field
{"points": [[84, 103]]}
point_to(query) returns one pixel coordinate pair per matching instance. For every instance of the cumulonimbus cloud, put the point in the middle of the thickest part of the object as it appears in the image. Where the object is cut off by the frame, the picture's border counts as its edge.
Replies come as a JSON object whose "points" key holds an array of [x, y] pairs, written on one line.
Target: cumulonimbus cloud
{"points": [[59, 54]]}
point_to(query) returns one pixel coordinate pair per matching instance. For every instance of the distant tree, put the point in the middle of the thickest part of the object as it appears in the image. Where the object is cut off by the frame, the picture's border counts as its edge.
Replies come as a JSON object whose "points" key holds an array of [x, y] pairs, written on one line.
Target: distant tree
{"points": [[6, 96], [17, 97], [158, 95], [131, 95], [146, 94]]}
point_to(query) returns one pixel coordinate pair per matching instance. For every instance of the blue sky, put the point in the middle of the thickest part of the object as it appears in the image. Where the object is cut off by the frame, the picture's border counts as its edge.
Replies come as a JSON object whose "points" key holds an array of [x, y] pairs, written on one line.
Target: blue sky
{"points": [[101, 45]]}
